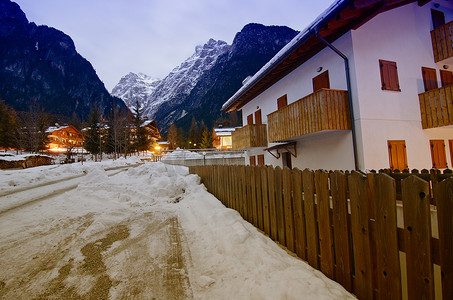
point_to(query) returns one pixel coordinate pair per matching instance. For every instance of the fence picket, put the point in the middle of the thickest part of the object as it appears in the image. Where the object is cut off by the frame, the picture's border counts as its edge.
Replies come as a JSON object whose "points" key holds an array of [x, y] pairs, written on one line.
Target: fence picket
{"points": [[417, 232], [363, 287], [324, 224], [444, 199], [280, 213], [299, 218], [272, 210], [310, 218], [339, 189], [288, 209], [265, 197], [259, 198], [388, 262]]}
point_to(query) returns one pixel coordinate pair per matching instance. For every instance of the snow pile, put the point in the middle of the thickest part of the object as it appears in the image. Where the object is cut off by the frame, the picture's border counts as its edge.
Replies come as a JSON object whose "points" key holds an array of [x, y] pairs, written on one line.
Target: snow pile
{"points": [[182, 155]]}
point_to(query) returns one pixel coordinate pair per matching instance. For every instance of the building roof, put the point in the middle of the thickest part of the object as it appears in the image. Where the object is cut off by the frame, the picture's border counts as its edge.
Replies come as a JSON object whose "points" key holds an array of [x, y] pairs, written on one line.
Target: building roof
{"points": [[339, 18]]}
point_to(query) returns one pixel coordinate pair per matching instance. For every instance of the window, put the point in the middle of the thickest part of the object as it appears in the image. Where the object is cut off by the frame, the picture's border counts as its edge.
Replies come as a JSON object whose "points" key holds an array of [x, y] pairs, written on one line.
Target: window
{"points": [[438, 154], [250, 119], [389, 75], [282, 101], [397, 155], [258, 117], [446, 77], [438, 18], [321, 81], [429, 78], [252, 161], [261, 160]]}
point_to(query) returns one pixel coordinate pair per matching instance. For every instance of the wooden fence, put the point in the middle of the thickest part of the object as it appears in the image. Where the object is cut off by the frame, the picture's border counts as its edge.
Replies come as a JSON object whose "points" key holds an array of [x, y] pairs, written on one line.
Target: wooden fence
{"points": [[351, 226]]}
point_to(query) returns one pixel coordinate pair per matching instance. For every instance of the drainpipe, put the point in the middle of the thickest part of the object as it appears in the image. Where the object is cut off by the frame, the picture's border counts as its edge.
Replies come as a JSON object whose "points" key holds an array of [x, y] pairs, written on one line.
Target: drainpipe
{"points": [[348, 82]]}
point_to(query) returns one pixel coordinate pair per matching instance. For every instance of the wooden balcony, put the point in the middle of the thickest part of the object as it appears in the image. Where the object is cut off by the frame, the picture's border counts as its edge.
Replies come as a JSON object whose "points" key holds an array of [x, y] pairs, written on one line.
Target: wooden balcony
{"points": [[442, 38], [250, 136], [436, 107], [324, 110]]}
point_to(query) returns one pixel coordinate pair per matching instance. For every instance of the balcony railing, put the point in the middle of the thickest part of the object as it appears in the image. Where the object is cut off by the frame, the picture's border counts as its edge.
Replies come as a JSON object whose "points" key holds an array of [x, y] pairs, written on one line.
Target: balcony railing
{"points": [[250, 136], [442, 39], [436, 107], [324, 110]]}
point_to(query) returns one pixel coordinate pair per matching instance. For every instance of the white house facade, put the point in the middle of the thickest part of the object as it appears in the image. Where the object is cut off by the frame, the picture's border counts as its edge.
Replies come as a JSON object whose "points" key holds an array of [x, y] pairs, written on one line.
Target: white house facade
{"points": [[391, 109]]}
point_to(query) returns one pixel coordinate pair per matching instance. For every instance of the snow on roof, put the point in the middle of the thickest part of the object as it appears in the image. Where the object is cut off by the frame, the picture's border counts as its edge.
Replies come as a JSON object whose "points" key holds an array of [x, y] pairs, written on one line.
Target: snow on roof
{"points": [[224, 131], [287, 49], [54, 128]]}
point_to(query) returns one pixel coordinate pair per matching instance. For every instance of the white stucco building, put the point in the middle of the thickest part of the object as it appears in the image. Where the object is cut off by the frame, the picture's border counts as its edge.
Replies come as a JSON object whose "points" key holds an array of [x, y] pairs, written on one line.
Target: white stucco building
{"points": [[399, 57]]}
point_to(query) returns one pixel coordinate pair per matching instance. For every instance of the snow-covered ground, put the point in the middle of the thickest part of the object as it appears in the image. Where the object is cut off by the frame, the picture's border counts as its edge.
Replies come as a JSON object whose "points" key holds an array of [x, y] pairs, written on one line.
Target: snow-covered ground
{"points": [[143, 231]]}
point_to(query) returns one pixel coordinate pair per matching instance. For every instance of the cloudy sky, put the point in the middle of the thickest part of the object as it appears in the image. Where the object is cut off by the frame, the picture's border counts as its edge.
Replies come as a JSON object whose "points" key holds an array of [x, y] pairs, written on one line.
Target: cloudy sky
{"points": [[154, 36]]}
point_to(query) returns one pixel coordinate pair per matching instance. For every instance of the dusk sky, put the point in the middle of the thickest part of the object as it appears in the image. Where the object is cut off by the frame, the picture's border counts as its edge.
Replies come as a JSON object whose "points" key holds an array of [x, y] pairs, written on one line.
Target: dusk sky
{"points": [[154, 36]]}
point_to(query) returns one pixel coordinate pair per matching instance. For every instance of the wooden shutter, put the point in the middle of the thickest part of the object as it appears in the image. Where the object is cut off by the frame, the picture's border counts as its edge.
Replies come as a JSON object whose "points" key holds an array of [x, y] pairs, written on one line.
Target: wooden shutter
{"points": [[261, 160], [250, 119], [282, 101], [438, 18], [438, 154], [252, 161], [446, 77], [389, 75], [429, 78], [397, 155], [321, 81], [258, 117]]}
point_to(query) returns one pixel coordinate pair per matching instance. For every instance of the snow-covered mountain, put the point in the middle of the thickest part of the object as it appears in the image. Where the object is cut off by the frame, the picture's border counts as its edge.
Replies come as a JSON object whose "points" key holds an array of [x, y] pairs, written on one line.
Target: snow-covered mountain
{"points": [[135, 87], [203, 82], [151, 94]]}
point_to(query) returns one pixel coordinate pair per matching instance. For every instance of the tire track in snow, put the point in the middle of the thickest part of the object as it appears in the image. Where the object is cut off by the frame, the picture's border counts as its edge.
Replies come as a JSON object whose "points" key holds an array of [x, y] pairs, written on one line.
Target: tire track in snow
{"points": [[41, 192]]}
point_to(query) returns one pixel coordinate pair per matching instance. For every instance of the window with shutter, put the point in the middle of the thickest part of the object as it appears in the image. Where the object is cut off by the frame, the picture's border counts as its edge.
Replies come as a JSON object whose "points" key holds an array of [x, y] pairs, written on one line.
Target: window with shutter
{"points": [[282, 101], [397, 155], [446, 77], [321, 81], [258, 117], [438, 155], [438, 18], [250, 119], [261, 160], [252, 161], [429, 78], [389, 75]]}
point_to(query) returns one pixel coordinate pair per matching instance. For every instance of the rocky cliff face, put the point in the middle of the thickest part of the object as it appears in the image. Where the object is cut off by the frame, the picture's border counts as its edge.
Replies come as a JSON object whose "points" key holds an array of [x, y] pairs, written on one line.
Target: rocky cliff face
{"points": [[201, 84], [134, 88], [39, 64]]}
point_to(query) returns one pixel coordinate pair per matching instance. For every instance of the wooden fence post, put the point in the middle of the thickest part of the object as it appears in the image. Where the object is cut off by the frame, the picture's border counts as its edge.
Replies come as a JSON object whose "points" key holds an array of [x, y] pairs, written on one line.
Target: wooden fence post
{"points": [[359, 202], [288, 209], [339, 190], [299, 218], [443, 194], [417, 233], [388, 262], [310, 218], [325, 231]]}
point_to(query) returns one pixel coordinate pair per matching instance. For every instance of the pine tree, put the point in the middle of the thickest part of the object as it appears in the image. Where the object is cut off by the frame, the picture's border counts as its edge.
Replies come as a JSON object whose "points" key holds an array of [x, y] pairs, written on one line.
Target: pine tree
{"points": [[194, 134], [172, 136], [7, 126], [93, 134], [206, 139], [141, 141]]}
